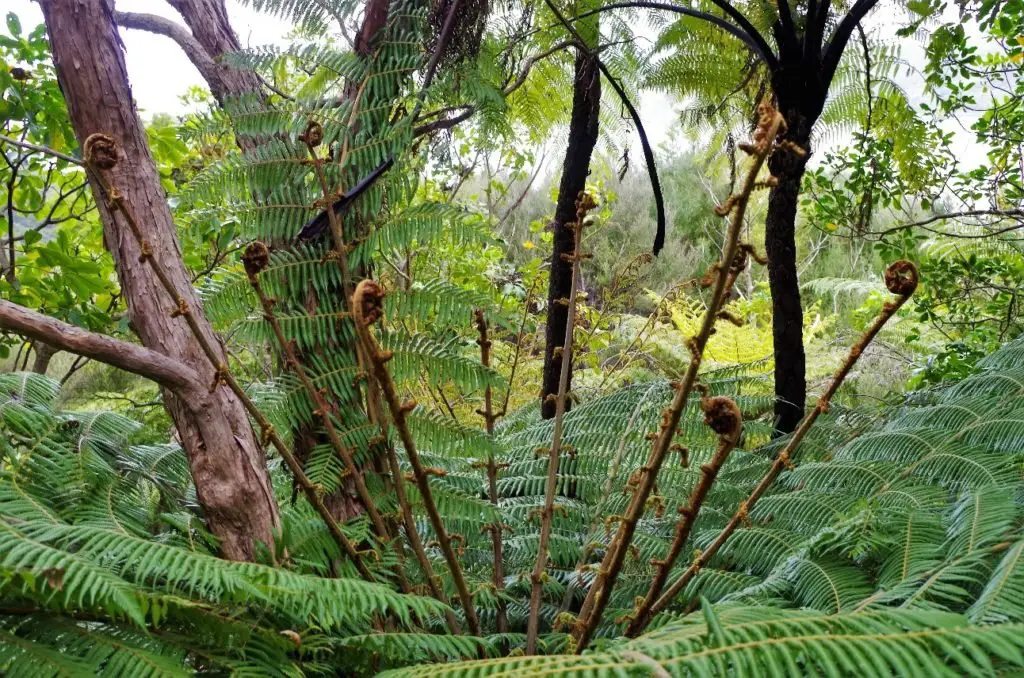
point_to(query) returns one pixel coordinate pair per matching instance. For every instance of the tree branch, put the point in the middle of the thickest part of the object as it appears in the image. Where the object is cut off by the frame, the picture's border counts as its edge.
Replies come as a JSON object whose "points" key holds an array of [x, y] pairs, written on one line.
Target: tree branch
{"points": [[787, 34], [152, 23], [1017, 214], [755, 42], [833, 51], [745, 26], [468, 110], [815, 31], [132, 358], [652, 169], [40, 149]]}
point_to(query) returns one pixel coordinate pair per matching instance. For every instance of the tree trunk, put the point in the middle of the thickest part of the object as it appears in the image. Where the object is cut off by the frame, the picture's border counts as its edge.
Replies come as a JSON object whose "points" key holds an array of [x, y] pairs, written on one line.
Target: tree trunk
{"points": [[44, 354], [211, 37], [583, 130], [227, 463], [780, 246], [208, 20]]}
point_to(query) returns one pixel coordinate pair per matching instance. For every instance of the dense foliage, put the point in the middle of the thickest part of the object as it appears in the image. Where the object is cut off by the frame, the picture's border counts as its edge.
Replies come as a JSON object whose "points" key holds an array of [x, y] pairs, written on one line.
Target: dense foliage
{"points": [[432, 520]]}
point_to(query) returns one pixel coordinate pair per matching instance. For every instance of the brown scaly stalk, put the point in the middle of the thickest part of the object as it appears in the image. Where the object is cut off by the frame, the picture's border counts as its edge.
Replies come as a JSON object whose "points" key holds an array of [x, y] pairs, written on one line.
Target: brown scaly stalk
{"points": [[492, 466], [595, 523], [901, 279], [366, 306], [768, 129], [724, 418], [100, 152], [433, 581], [255, 259], [584, 204]]}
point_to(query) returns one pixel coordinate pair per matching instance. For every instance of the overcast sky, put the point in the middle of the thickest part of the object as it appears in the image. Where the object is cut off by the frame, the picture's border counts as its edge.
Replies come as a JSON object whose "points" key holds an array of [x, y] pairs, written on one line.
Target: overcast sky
{"points": [[160, 73]]}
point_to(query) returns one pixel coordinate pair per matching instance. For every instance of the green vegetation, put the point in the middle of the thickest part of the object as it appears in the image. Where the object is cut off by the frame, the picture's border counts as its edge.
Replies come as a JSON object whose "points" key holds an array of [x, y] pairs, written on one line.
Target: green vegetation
{"points": [[337, 459]]}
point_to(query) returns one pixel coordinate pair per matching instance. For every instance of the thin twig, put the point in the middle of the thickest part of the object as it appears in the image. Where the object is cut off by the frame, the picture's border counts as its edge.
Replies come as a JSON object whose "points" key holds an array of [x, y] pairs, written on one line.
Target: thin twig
{"points": [[901, 279], [519, 348]]}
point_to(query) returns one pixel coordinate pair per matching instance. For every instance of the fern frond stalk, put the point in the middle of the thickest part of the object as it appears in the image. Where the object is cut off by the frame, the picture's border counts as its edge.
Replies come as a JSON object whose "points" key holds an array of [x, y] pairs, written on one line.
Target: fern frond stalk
{"points": [[224, 375], [901, 278], [255, 259], [584, 203], [501, 615], [366, 307], [769, 127], [728, 419], [433, 580]]}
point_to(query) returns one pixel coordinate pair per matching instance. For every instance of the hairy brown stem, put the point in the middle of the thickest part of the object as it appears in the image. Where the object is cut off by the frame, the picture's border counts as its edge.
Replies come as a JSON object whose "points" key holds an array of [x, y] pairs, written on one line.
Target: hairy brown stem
{"points": [[366, 307], [224, 375], [599, 512], [584, 204], [600, 592], [688, 513], [900, 278], [433, 581], [255, 259], [501, 615]]}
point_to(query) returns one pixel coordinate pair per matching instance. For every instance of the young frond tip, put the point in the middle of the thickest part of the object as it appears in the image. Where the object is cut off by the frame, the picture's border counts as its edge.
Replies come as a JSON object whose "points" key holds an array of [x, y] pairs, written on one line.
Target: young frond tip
{"points": [[901, 278], [313, 135], [722, 415], [368, 302], [100, 151], [255, 258]]}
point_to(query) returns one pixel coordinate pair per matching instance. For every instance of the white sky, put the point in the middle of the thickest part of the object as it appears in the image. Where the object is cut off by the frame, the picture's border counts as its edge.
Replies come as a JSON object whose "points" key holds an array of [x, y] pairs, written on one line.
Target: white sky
{"points": [[160, 73]]}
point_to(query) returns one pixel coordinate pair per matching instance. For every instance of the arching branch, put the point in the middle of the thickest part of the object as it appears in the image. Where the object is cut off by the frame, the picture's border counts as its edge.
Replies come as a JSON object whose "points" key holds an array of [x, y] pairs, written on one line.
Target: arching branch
{"points": [[755, 42], [652, 168], [744, 25], [833, 51], [152, 23]]}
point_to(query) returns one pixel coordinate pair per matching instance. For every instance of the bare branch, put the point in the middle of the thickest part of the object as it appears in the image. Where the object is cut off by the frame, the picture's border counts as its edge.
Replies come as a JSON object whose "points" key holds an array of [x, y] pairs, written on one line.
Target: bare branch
{"points": [[757, 44], [152, 23], [133, 358], [40, 149], [833, 51], [1016, 213], [467, 110]]}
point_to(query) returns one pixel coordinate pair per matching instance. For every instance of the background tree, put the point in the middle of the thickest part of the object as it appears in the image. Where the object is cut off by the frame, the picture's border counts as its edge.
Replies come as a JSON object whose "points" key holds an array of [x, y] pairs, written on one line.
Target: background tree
{"points": [[584, 128]]}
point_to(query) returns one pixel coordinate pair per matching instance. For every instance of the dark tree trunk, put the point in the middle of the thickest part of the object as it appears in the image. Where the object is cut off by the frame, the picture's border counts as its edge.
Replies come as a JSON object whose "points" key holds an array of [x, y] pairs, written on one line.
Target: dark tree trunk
{"points": [[226, 461], [800, 99], [583, 130]]}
